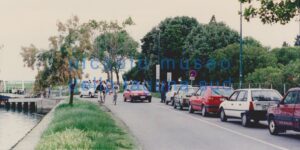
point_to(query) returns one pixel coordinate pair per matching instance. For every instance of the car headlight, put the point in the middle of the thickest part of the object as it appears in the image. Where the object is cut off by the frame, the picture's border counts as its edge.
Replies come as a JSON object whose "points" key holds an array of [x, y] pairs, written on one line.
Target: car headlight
{"points": [[135, 94]]}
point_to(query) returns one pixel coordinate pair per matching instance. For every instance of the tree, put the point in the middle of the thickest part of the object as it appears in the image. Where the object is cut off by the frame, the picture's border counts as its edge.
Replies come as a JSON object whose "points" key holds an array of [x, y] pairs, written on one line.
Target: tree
{"points": [[285, 44], [254, 57], [113, 48], [271, 11], [60, 64], [286, 54], [297, 41], [166, 41], [291, 73], [267, 76]]}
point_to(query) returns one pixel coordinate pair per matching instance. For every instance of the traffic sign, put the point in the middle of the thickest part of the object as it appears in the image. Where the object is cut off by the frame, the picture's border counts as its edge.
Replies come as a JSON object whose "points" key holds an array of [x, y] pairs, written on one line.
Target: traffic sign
{"points": [[193, 73], [169, 76], [157, 72]]}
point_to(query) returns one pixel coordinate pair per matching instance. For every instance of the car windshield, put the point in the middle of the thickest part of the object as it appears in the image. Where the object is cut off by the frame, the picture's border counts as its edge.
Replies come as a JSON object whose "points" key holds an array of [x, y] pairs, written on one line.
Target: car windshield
{"points": [[222, 91], [188, 89], [138, 88], [265, 95]]}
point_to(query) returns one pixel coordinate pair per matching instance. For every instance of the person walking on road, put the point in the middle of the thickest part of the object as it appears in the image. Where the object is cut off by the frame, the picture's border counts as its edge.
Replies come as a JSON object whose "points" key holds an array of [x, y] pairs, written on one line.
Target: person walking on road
{"points": [[163, 92]]}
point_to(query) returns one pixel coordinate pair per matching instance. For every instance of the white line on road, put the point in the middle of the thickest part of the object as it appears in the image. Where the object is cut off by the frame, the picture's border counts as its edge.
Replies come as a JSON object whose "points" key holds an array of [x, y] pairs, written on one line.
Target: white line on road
{"points": [[229, 130]]}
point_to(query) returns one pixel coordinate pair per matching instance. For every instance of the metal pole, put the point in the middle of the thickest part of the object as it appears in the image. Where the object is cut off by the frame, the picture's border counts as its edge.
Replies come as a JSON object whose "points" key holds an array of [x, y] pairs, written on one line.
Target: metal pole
{"points": [[241, 45]]}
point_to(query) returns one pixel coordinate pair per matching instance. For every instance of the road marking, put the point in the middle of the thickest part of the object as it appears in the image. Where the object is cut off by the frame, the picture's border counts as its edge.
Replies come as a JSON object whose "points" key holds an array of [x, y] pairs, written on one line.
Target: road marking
{"points": [[226, 129]]}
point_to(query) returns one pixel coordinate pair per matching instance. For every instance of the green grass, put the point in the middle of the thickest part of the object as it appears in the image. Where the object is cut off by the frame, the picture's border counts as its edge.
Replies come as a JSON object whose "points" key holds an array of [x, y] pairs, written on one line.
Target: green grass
{"points": [[83, 126], [156, 94]]}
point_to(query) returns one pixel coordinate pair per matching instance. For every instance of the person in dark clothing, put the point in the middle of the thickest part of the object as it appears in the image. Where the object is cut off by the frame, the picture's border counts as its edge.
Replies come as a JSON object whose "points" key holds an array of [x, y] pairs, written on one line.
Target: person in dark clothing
{"points": [[163, 92]]}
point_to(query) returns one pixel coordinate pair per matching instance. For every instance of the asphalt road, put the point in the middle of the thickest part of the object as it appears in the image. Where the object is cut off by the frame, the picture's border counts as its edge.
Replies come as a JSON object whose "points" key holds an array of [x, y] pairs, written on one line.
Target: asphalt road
{"points": [[161, 127]]}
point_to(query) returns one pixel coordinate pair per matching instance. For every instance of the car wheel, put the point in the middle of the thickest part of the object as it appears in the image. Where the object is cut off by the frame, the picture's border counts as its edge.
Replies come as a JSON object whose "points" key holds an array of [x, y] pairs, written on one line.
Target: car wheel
{"points": [[191, 110], [149, 100], [273, 128], [81, 96], [245, 120], [125, 99], [90, 95], [204, 111], [223, 116], [167, 102], [174, 105]]}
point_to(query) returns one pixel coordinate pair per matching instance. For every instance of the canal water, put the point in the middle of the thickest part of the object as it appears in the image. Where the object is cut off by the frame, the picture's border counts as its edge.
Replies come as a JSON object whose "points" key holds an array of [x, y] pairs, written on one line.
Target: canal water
{"points": [[14, 125]]}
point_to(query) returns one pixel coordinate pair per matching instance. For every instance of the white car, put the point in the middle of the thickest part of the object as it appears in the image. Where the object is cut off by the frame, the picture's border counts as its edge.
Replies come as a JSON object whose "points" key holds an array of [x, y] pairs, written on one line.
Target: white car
{"points": [[182, 97], [249, 104], [170, 94], [88, 91]]}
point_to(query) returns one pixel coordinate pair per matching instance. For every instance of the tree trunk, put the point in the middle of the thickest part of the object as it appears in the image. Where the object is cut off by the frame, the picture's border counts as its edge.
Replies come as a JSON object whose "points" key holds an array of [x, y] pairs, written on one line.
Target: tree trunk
{"points": [[108, 75], [71, 97], [118, 78]]}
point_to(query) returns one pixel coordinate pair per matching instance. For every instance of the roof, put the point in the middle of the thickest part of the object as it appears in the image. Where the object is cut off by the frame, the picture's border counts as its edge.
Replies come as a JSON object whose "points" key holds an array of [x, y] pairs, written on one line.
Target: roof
{"points": [[295, 89]]}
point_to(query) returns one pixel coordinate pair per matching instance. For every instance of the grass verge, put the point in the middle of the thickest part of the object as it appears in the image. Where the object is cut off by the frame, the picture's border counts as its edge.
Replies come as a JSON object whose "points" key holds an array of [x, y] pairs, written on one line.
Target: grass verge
{"points": [[83, 126]]}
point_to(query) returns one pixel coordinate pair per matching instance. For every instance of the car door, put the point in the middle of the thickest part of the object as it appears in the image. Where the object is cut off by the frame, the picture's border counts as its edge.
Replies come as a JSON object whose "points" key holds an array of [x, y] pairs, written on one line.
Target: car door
{"points": [[229, 104], [195, 100], [287, 108], [241, 104], [297, 113]]}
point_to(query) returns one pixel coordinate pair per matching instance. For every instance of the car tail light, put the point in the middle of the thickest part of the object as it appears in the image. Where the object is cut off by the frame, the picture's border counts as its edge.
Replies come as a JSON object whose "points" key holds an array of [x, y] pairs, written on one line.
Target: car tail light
{"points": [[210, 98], [251, 106]]}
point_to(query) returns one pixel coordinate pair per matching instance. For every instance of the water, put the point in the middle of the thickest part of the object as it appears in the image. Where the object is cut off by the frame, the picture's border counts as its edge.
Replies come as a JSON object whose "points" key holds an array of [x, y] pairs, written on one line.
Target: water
{"points": [[14, 126]]}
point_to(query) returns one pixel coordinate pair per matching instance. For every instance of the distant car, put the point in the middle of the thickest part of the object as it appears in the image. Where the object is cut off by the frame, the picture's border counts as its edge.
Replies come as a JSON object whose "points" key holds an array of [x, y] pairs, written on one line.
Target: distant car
{"points": [[249, 104], [137, 92], [286, 115], [183, 95], [171, 93], [88, 90], [208, 99]]}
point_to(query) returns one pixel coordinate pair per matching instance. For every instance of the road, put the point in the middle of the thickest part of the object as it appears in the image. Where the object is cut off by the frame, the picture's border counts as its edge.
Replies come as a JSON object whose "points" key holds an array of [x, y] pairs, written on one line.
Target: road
{"points": [[160, 127]]}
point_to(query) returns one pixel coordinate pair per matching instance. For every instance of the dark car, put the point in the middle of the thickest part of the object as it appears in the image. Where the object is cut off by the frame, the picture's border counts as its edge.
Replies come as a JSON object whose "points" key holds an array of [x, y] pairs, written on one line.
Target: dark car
{"points": [[286, 115]]}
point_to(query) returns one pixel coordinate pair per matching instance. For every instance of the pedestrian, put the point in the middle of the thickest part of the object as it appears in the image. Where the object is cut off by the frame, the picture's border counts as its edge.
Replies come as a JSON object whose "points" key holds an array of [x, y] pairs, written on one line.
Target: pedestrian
{"points": [[163, 92]]}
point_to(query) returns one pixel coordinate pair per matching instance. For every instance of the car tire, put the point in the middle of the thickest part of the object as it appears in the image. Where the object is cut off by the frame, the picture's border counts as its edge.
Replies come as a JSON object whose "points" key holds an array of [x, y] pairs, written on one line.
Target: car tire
{"points": [[81, 96], [273, 128], [191, 110], [204, 111], [172, 101], [90, 95], [125, 99], [149, 100], [223, 116], [245, 120]]}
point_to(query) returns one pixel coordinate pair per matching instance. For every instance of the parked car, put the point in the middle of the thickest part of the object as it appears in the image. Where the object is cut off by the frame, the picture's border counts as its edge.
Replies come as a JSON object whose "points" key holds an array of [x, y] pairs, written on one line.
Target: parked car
{"points": [[286, 115], [249, 104], [208, 99], [88, 90], [137, 92], [183, 95], [171, 93]]}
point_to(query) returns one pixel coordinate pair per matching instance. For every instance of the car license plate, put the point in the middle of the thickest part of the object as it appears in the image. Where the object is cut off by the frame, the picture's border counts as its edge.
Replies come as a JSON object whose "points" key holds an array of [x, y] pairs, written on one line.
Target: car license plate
{"points": [[143, 97]]}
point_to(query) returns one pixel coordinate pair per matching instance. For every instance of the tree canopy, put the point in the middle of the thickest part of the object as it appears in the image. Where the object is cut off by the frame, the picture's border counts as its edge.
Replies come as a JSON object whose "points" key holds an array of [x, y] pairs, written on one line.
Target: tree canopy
{"points": [[271, 11]]}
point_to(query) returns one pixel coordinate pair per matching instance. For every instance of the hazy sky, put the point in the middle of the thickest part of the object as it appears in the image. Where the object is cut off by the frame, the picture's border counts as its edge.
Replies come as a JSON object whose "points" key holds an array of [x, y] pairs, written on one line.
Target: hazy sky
{"points": [[23, 22]]}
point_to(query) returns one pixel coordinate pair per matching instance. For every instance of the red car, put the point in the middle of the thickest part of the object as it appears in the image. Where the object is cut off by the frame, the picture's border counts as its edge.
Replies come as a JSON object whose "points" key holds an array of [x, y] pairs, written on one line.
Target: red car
{"points": [[208, 98], [136, 92], [286, 115]]}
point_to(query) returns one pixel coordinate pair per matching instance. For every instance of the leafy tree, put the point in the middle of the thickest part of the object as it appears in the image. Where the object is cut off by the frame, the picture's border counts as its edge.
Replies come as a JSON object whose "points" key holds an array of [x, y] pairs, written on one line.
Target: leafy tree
{"points": [[267, 76], [297, 41], [165, 41], [254, 57], [291, 73], [113, 48], [285, 44], [271, 11], [286, 54], [59, 64]]}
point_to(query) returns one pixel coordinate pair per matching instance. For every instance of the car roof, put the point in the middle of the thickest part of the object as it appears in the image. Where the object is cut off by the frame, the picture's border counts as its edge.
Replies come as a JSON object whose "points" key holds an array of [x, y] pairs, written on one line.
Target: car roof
{"points": [[295, 89], [250, 89]]}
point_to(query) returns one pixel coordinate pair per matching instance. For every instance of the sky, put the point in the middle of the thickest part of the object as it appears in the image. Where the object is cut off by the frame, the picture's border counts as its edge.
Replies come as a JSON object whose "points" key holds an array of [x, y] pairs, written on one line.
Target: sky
{"points": [[25, 22]]}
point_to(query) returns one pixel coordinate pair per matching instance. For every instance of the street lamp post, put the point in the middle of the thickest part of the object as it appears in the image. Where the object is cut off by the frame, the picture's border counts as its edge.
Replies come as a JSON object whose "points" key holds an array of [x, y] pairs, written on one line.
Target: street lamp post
{"points": [[158, 55], [241, 44]]}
